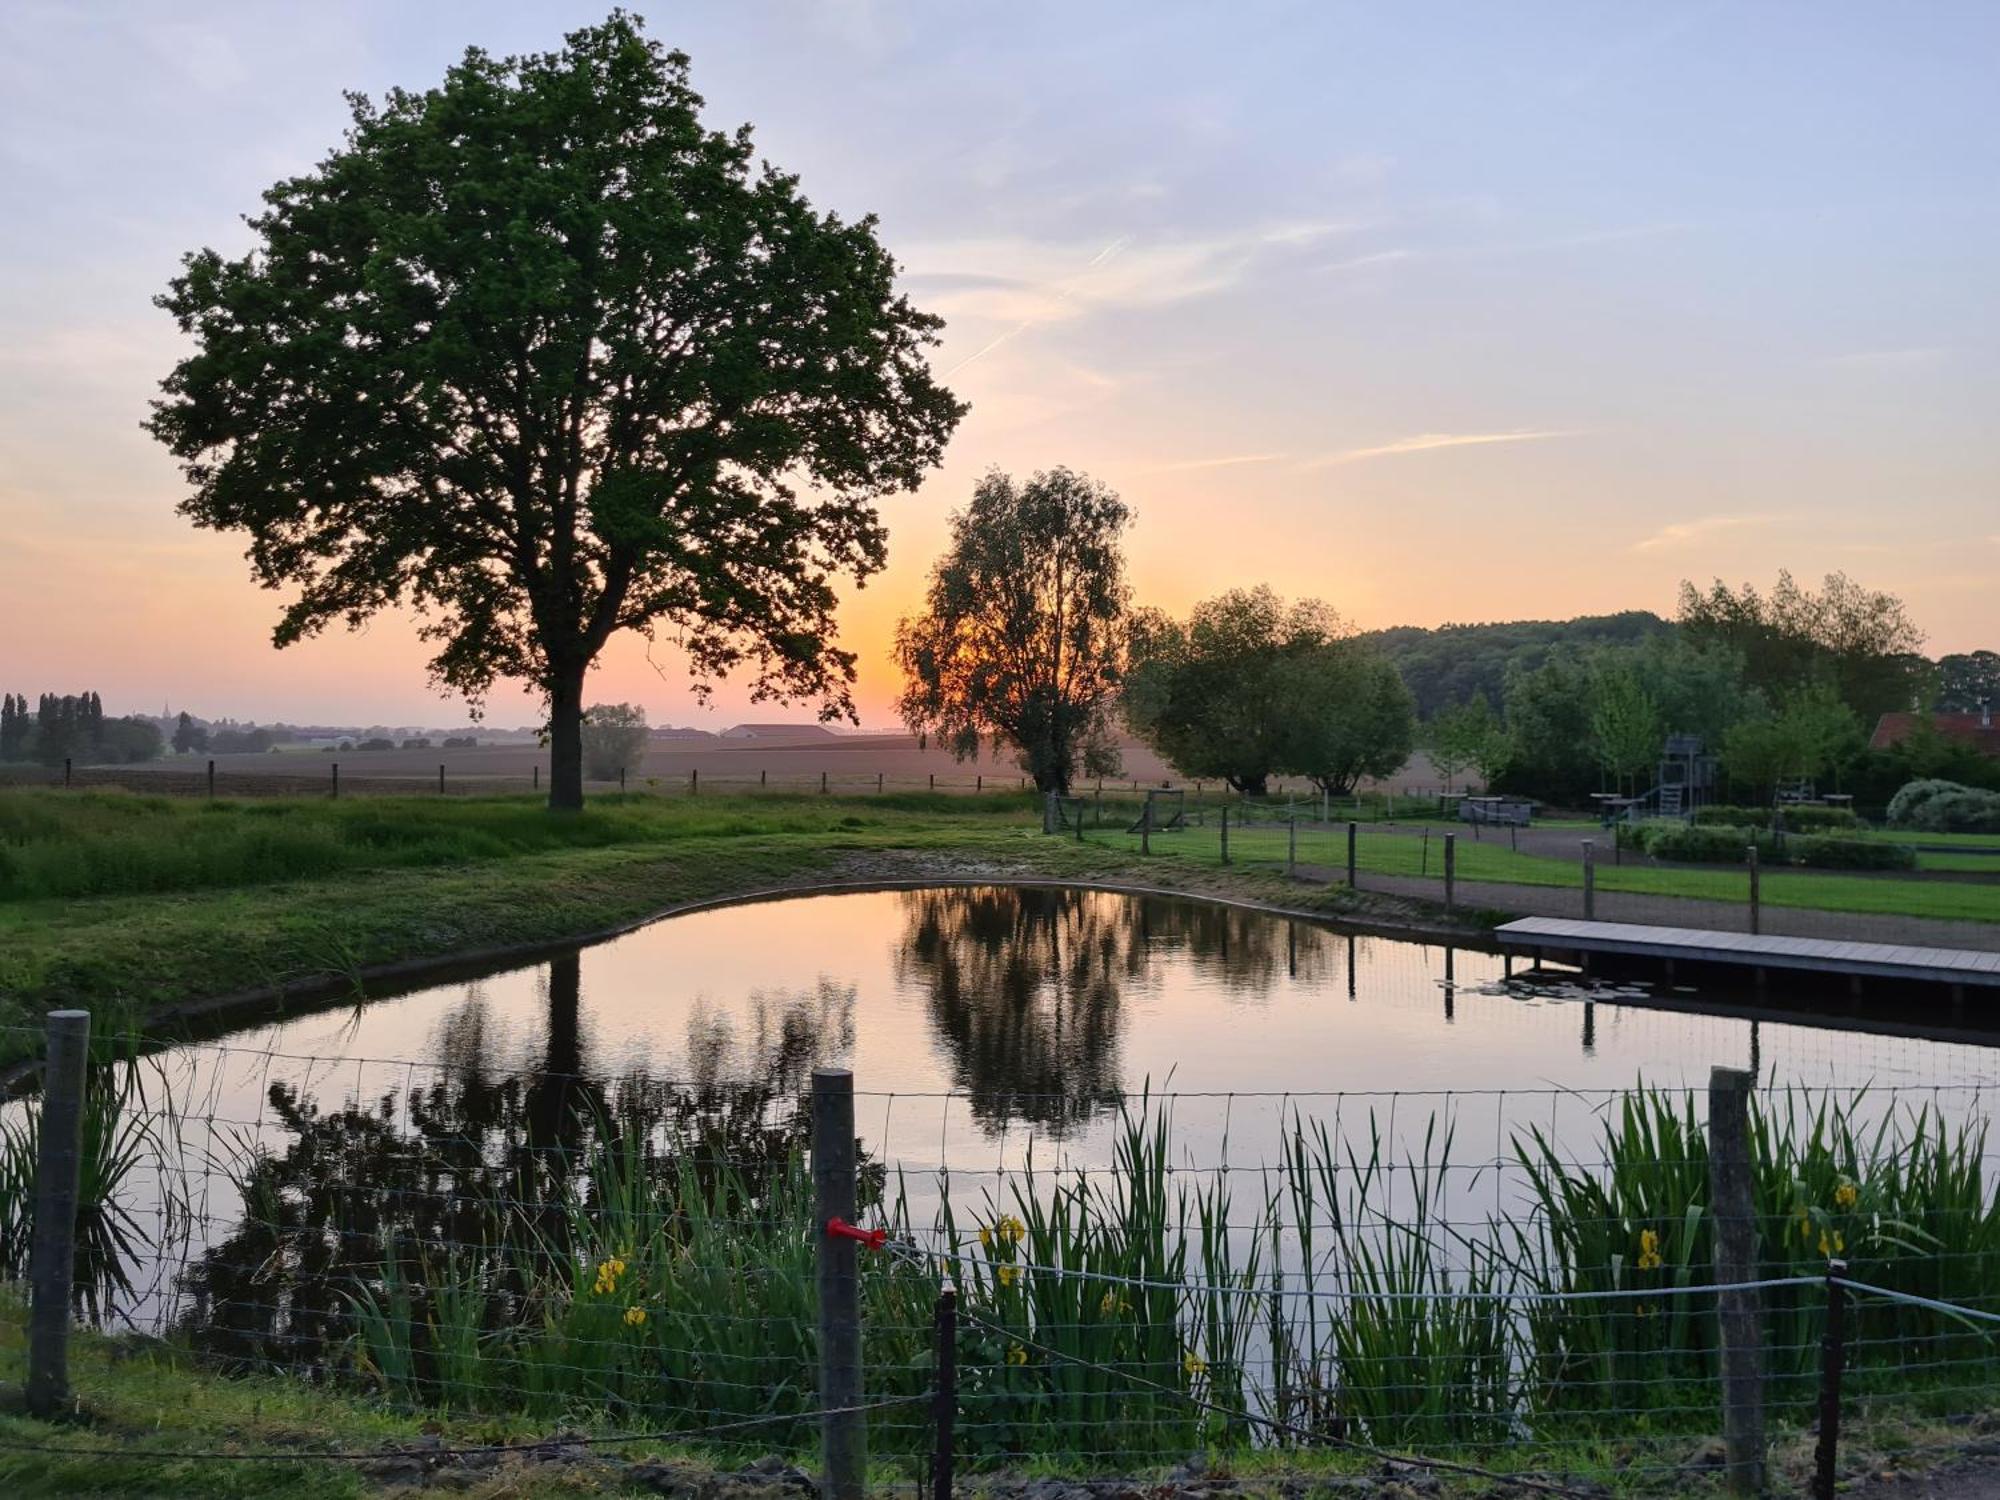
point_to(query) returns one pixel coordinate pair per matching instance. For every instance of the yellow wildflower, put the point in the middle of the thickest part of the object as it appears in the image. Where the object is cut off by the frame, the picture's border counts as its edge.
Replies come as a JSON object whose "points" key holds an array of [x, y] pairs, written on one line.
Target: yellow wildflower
{"points": [[1113, 1305], [1016, 1355], [1649, 1250], [1193, 1363], [985, 1238], [1646, 1310], [1830, 1242], [1846, 1195], [1008, 1274], [1010, 1230], [634, 1316]]}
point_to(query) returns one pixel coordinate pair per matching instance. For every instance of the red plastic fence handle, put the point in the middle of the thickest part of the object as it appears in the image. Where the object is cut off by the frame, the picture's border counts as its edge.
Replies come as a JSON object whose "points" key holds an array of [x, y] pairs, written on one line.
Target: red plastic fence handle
{"points": [[839, 1229]]}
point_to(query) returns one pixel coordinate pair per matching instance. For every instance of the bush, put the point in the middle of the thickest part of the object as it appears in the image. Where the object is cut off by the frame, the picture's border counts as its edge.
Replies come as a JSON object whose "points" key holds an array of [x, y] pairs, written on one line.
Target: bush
{"points": [[1934, 806], [1826, 852], [1702, 843]]}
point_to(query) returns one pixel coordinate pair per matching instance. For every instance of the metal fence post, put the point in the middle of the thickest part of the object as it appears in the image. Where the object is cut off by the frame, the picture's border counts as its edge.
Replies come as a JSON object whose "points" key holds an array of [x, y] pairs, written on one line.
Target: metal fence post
{"points": [[1832, 1355], [1590, 880], [58, 1176], [1225, 833], [1737, 1312], [1353, 835], [843, 1434], [1450, 871], [944, 1400], [1756, 894]]}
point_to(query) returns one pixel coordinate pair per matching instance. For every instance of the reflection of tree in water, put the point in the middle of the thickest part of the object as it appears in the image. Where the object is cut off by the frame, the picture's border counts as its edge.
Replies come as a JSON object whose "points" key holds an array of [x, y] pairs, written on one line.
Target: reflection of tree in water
{"points": [[1025, 984], [489, 1167]]}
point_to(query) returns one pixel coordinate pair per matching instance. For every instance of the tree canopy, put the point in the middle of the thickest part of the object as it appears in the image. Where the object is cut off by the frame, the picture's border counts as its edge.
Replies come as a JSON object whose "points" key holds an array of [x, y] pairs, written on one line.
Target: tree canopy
{"points": [[1249, 688], [538, 355], [1862, 642], [1022, 637]]}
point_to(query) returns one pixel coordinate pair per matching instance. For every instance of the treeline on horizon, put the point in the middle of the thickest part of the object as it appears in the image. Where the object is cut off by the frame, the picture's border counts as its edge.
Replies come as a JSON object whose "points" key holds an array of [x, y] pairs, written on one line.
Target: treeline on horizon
{"points": [[72, 726]]}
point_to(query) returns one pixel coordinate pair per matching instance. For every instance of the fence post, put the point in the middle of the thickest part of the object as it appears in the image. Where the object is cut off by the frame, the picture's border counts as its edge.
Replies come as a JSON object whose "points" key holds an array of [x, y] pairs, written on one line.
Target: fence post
{"points": [[211, 781], [979, 782], [66, 771], [1590, 880], [1225, 833], [1832, 1355], [336, 779], [621, 778], [1450, 871], [1353, 833], [1737, 1312], [878, 783], [1750, 858], [944, 1400], [58, 1174], [1146, 827], [843, 1435], [933, 781], [441, 780], [822, 783], [1292, 847], [535, 781]]}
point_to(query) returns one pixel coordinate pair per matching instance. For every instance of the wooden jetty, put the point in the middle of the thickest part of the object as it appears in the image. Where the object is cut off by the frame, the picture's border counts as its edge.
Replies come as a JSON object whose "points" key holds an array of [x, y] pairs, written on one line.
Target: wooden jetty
{"points": [[1569, 940]]}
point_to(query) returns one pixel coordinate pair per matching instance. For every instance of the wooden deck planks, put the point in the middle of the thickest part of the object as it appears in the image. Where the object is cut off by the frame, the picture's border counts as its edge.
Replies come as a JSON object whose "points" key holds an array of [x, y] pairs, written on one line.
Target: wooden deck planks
{"points": [[1881, 960]]}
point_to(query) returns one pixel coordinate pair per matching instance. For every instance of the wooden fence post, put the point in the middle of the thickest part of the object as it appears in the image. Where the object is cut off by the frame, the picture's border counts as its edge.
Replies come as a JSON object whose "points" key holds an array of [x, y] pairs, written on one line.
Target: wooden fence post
{"points": [[1353, 833], [535, 781], [211, 781], [1225, 833], [1292, 847], [1450, 871], [66, 770], [878, 783], [621, 778], [336, 779], [58, 1176], [694, 781], [1589, 880], [944, 1398], [1756, 894], [843, 1433], [441, 780], [822, 783], [1737, 1312]]}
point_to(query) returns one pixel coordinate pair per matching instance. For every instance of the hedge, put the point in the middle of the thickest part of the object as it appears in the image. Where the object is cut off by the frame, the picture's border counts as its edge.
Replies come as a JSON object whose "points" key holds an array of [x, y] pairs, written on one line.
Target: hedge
{"points": [[1945, 807], [1798, 817], [1723, 844]]}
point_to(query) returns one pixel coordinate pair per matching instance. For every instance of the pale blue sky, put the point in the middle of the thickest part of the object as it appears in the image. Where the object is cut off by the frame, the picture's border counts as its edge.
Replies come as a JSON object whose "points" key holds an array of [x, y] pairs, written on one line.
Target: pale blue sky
{"points": [[1440, 312]]}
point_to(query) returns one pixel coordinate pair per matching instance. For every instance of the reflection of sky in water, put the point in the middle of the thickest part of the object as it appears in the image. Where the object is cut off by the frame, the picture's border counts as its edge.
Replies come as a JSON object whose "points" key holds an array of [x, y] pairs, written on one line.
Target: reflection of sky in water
{"points": [[982, 1025]]}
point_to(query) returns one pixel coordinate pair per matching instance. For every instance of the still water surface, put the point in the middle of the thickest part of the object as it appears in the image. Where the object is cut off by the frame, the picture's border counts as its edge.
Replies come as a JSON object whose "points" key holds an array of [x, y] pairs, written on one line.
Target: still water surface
{"points": [[986, 1027]]}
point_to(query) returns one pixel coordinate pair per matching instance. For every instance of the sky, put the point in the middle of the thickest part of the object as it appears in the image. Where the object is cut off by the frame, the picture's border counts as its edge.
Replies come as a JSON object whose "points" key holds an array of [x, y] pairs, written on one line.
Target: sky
{"points": [[1449, 312]]}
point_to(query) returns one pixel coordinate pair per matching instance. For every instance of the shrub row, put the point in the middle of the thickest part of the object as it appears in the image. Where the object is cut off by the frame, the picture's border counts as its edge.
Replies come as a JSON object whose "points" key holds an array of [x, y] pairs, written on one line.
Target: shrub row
{"points": [[1797, 819], [1716, 843]]}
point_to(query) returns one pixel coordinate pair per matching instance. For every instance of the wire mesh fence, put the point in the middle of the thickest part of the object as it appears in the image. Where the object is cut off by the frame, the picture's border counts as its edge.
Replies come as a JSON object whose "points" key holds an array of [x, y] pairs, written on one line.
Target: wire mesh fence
{"points": [[1512, 1281], [1575, 871]]}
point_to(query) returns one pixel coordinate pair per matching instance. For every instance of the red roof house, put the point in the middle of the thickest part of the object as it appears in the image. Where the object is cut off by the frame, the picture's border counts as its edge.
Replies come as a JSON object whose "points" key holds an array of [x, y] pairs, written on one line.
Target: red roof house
{"points": [[1976, 730]]}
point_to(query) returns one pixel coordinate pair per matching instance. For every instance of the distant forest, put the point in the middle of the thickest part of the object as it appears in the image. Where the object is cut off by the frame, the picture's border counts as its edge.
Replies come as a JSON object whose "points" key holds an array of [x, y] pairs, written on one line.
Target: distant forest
{"points": [[1454, 664]]}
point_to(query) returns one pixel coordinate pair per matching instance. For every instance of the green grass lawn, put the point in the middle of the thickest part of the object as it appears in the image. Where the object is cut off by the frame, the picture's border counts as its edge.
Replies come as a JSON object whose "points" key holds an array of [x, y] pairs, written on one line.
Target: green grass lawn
{"points": [[1491, 860]]}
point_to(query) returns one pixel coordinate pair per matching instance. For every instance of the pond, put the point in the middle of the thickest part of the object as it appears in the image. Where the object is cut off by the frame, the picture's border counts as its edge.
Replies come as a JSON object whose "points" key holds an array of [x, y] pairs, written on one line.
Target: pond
{"points": [[988, 1029]]}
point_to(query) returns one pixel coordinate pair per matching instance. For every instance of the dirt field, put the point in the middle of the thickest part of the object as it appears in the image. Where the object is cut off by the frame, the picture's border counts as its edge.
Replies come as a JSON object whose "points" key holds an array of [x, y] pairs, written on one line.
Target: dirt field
{"points": [[850, 763]]}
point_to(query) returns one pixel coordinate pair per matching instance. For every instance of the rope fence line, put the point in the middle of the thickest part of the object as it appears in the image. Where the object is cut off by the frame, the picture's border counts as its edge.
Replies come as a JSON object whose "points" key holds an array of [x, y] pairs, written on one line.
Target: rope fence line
{"points": [[375, 1231]]}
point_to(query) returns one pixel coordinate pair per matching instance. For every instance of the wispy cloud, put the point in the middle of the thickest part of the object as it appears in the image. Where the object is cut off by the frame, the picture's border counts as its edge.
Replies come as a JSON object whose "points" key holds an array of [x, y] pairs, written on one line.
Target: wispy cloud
{"points": [[1425, 442], [1680, 533], [1026, 284], [1228, 462], [1583, 240]]}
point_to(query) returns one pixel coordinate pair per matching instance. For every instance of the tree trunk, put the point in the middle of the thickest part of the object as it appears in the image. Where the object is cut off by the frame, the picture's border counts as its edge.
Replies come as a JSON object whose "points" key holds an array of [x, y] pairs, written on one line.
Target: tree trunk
{"points": [[566, 740]]}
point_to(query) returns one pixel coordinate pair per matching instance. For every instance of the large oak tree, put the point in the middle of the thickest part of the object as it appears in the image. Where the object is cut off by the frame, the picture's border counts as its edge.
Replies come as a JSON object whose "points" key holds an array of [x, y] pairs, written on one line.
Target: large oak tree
{"points": [[541, 357]]}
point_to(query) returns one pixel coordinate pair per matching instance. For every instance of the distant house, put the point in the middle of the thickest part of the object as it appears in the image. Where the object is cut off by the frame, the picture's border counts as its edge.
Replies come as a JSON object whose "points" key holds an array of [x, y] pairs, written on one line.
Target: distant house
{"points": [[1975, 730], [778, 733], [669, 732]]}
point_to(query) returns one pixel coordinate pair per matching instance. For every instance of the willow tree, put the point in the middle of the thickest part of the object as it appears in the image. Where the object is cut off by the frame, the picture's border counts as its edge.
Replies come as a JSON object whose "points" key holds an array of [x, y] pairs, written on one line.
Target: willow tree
{"points": [[1021, 640], [539, 356]]}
